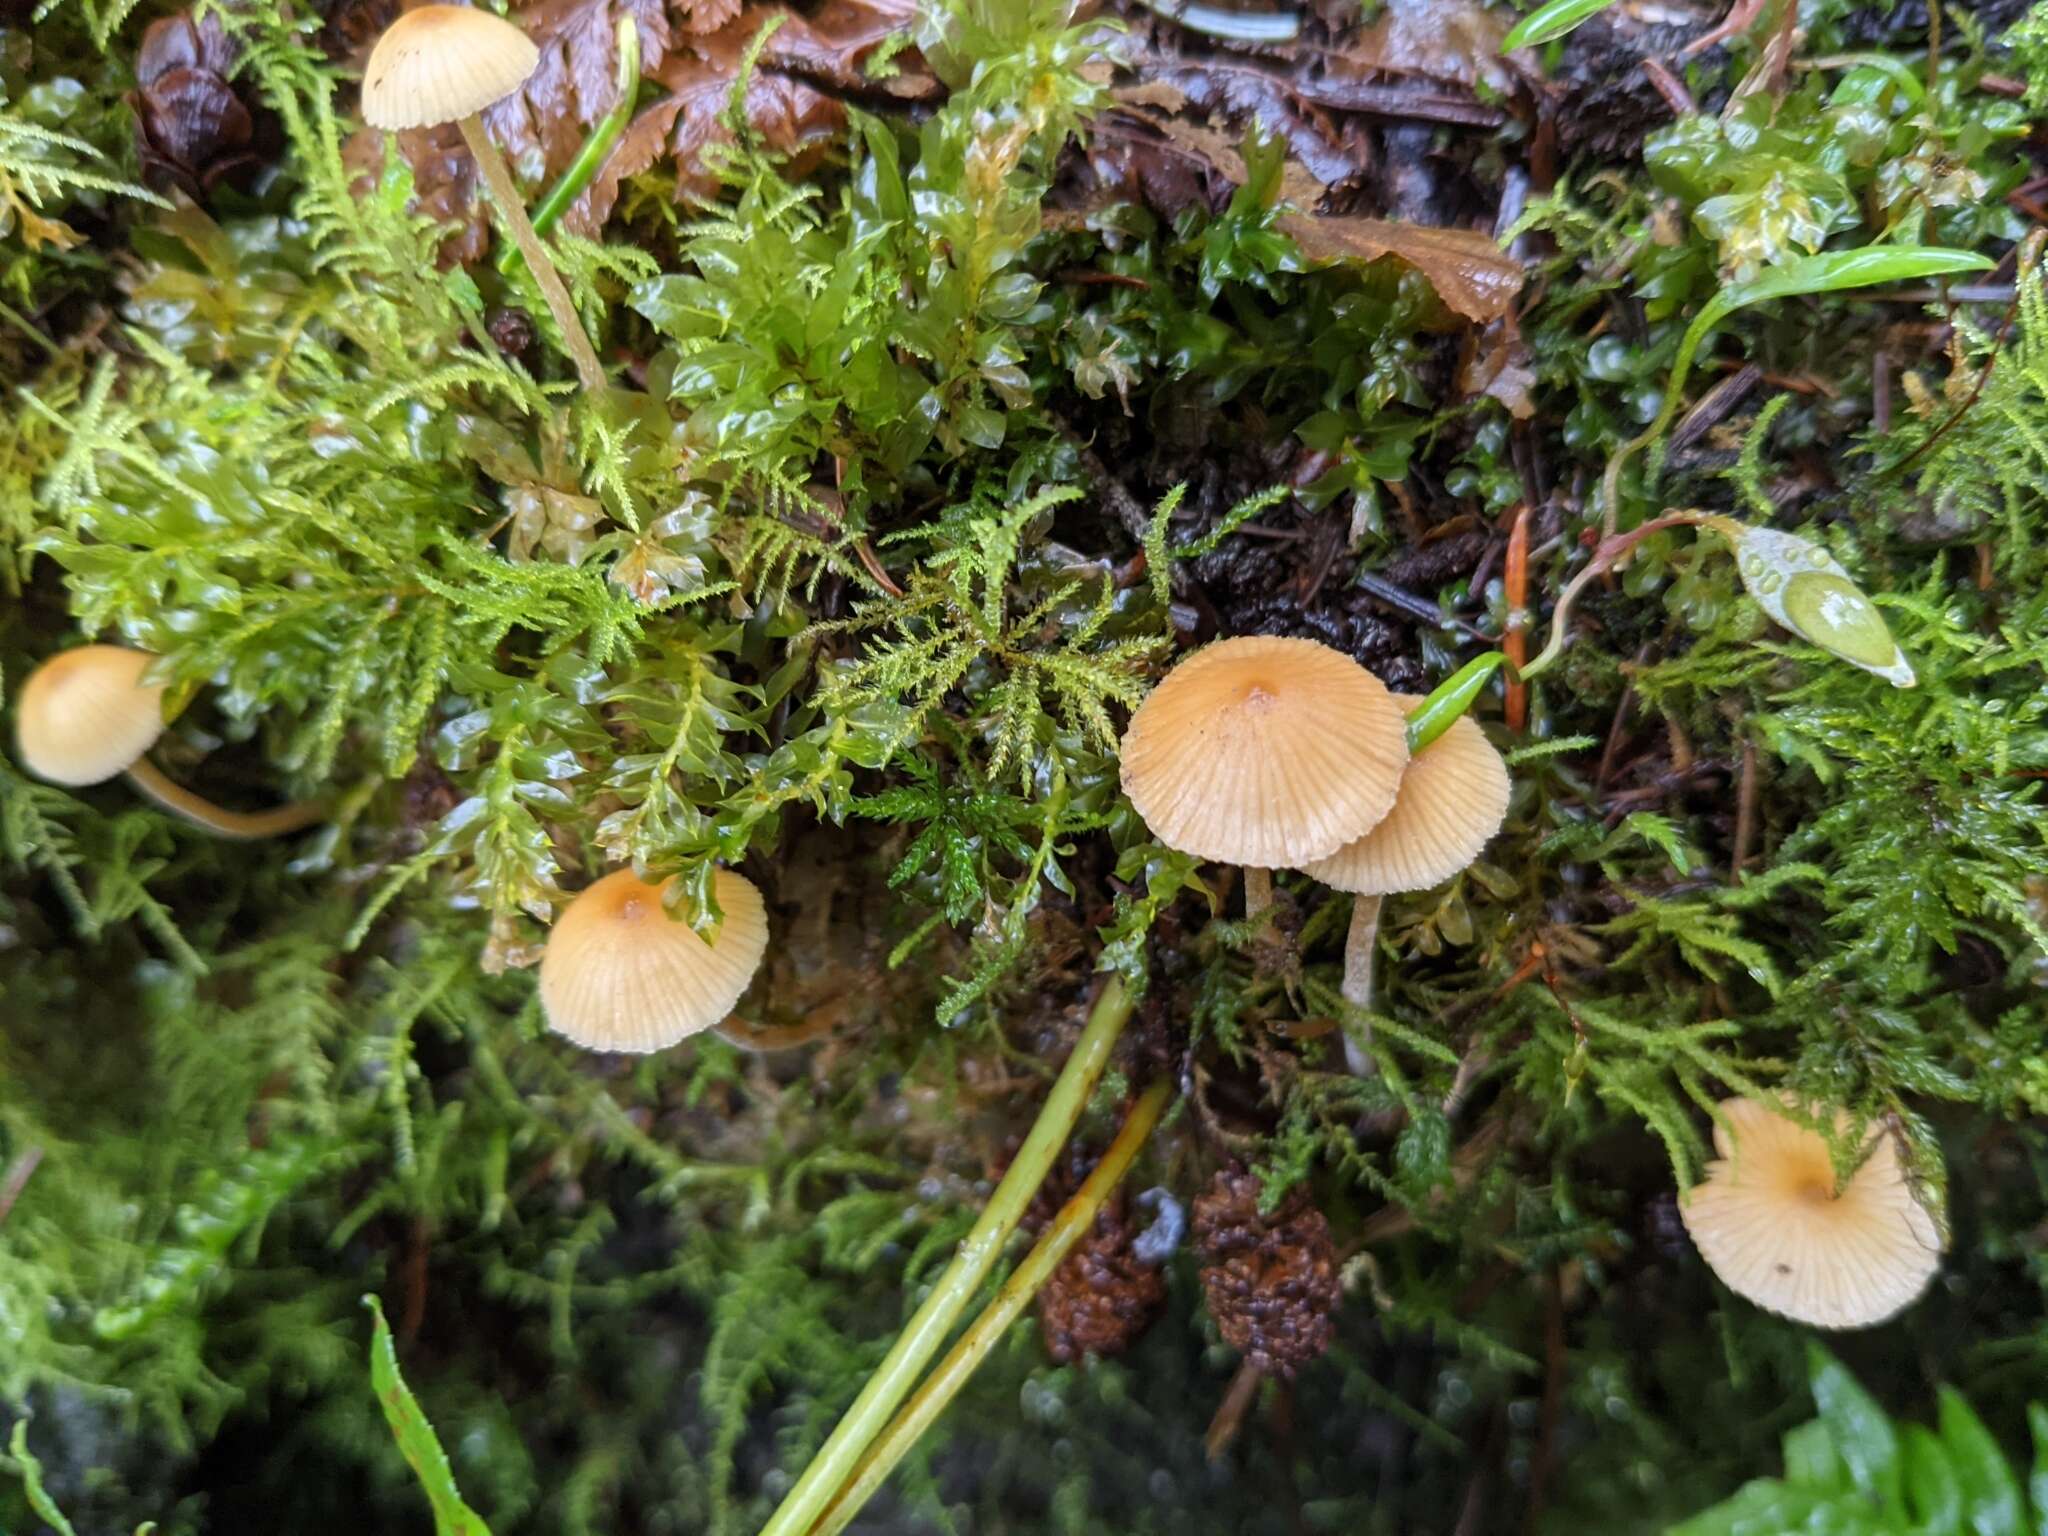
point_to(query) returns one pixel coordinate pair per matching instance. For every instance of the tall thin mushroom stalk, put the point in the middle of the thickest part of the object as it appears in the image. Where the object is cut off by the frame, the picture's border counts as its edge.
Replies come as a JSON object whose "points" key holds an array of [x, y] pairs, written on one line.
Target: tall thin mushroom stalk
{"points": [[1453, 798], [446, 64]]}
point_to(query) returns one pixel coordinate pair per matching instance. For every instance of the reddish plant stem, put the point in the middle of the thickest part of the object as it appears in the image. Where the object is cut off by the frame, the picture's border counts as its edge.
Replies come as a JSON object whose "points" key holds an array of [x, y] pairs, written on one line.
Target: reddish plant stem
{"points": [[1606, 555], [1515, 642], [1244, 1388]]}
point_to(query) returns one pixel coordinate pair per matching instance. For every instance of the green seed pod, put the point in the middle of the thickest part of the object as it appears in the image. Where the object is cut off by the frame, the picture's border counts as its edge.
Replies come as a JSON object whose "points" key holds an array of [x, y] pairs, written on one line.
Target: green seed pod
{"points": [[1804, 588]]}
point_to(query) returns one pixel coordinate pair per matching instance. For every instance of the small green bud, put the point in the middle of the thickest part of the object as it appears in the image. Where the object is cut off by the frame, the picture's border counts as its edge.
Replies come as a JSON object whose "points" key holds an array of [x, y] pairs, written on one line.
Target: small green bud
{"points": [[1804, 588]]}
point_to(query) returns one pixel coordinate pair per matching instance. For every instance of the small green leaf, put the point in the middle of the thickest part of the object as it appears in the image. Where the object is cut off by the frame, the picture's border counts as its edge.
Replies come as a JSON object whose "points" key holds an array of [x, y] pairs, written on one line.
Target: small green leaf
{"points": [[1828, 272], [1450, 699], [2037, 1485], [1862, 1434], [1932, 1488], [1552, 21], [416, 1438], [1769, 1505], [1991, 1503], [1659, 832], [1811, 1460]]}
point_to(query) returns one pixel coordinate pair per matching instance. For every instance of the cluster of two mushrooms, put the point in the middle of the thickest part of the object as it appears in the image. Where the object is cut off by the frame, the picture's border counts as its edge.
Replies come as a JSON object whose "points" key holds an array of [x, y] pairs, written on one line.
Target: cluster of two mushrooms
{"points": [[1275, 753]]}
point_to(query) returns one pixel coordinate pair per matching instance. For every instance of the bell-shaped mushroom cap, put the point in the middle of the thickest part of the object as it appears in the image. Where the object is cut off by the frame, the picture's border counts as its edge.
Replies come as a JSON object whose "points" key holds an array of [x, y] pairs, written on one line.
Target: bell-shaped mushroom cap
{"points": [[1768, 1220], [1264, 751], [441, 63], [1453, 797], [86, 714], [620, 974]]}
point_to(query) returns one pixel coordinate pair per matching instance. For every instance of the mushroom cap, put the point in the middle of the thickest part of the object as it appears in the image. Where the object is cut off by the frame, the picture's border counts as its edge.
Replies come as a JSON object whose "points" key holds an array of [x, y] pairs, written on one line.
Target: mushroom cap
{"points": [[441, 63], [1769, 1222], [1453, 798], [620, 974], [86, 714], [1264, 751]]}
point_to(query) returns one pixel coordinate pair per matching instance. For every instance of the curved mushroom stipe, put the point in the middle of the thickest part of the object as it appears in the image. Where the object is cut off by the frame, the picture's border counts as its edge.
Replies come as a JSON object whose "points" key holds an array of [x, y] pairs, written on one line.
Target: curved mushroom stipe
{"points": [[181, 802], [87, 714]]}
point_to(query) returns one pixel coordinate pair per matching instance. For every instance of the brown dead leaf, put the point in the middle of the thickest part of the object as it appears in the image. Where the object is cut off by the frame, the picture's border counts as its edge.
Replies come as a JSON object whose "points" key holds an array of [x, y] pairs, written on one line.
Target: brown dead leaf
{"points": [[1470, 273], [576, 82], [1454, 41], [789, 99], [833, 43], [1238, 90], [1128, 157], [1500, 367], [444, 184], [1297, 186], [788, 114]]}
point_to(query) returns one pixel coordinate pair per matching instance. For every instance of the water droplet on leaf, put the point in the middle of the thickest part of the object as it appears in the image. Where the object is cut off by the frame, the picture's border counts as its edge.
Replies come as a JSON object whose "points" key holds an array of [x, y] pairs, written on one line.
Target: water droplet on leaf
{"points": [[1835, 615]]}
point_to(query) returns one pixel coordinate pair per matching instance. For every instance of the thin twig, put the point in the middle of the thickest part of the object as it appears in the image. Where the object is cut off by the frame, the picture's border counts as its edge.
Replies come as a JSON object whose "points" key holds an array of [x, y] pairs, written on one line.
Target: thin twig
{"points": [[1671, 88], [1714, 406], [2033, 252], [1419, 608], [1745, 810], [1614, 731], [18, 1175], [1244, 1391]]}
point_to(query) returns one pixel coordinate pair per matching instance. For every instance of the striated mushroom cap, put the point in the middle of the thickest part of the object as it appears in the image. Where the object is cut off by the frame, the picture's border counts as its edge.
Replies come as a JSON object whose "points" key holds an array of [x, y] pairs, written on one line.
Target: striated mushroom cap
{"points": [[620, 974], [441, 63], [1264, 751], [1453, 798], [1768, 1220], [86, 715]]}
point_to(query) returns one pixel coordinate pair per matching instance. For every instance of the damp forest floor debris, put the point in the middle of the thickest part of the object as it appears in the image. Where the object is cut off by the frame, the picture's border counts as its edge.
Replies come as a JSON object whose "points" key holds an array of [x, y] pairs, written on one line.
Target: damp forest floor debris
{"points": [[764, 452]]}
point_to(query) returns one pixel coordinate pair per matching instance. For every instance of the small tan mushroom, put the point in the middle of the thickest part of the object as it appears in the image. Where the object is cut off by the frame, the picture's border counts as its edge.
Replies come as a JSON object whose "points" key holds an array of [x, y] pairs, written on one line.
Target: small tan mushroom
{"points": [[87, 714], [441, 63], [445, 64], [1265, 752], [1453, 798], [1770, 1222], [620, 974]]}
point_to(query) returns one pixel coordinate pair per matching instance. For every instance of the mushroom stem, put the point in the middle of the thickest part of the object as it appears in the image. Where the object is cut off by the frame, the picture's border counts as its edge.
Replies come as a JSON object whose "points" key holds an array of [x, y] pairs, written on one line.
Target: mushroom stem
{"points": [[505, 193], [201, 812], [1360, 949], [1258, 891], [763, 1040]]}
